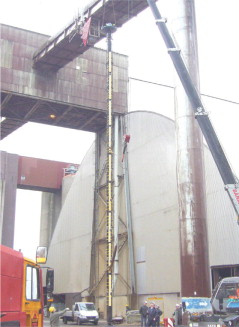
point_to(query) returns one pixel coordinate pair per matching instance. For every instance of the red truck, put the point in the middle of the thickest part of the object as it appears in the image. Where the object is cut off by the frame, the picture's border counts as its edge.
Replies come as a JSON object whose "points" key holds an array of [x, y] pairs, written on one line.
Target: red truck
{"points": [[22, 298]]}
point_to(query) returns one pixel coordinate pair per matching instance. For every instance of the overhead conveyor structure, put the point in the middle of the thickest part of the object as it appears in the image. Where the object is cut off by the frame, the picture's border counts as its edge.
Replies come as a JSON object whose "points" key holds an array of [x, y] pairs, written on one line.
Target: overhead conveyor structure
{"points": [[62, 48]]}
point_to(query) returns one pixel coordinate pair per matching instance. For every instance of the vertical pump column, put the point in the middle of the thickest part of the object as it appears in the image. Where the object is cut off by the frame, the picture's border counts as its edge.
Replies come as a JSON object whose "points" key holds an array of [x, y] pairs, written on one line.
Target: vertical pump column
{"points": [[108, 29]]}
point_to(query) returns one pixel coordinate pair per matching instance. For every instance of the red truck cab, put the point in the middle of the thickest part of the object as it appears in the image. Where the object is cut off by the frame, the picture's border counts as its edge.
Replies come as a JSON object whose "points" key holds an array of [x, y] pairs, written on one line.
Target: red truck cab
{"points": [[21, 290]]}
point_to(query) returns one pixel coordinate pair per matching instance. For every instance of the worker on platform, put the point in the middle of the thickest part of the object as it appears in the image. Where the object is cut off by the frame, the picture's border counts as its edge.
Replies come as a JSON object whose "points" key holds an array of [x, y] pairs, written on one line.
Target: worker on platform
{"points": [[55, 316], [144, 312]]}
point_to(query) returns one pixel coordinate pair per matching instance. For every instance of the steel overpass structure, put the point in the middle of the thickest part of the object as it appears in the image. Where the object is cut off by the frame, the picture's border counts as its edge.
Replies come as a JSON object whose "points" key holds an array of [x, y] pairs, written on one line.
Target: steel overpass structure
{"points": [[73, 97], [62, 48], [40, 83]]}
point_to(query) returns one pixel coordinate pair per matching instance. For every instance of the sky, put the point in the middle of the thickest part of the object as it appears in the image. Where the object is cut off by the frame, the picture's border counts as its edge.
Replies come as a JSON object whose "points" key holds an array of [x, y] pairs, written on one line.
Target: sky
{"points": [[217, 31]]}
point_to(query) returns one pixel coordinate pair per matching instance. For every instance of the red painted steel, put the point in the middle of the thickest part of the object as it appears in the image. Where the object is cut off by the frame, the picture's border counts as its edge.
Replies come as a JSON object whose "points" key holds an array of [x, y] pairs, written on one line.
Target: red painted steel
{"points": [[40, 174]]}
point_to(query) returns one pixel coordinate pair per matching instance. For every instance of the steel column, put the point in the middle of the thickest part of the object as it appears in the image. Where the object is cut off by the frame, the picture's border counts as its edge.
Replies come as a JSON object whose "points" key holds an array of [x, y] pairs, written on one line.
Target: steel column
{"points": [[116, 198], [108, 30]]}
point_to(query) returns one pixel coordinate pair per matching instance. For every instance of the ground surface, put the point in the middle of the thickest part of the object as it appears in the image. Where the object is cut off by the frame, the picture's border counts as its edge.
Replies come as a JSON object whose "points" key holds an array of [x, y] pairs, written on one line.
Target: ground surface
{"points": [[102, 323]]}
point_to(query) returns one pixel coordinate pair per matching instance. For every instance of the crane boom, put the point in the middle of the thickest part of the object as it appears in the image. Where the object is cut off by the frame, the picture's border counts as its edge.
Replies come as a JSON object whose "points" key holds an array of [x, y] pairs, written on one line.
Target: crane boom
{"points": [[228, 177]]}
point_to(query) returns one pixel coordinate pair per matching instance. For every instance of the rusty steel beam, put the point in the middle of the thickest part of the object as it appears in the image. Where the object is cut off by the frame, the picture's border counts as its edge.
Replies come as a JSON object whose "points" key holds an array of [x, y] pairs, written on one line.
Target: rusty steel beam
{"points": [[5, 101], [10, 125]]}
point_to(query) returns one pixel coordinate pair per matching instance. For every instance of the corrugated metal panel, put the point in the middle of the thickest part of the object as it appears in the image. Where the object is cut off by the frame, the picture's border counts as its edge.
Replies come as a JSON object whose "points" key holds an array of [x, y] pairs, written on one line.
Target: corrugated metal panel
{"points": [[75, 97]]}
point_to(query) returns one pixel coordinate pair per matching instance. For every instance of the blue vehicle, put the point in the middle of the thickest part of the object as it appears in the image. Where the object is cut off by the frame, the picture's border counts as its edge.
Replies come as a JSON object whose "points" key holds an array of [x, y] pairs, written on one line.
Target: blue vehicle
{"points": [[197, 307], [224, 304]]}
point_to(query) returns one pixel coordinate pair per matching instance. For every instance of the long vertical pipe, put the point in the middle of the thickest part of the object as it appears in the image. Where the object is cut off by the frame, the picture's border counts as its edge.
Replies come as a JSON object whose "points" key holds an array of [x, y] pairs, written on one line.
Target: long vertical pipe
{"points": [[129, 219], [109, 29], [190, 163], [190, 169], [94, 274], [116, 198]]}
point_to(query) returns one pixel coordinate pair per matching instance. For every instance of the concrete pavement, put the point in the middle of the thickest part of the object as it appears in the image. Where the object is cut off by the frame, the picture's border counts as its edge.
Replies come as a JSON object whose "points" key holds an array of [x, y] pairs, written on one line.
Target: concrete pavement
{"points": [[102, 323]]}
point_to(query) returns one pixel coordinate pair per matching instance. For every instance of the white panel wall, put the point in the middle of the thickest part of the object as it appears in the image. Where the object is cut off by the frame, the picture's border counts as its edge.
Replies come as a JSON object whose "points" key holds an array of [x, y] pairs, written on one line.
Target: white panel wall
{"points": [[70, 248], [222, 221], [152, 171]]}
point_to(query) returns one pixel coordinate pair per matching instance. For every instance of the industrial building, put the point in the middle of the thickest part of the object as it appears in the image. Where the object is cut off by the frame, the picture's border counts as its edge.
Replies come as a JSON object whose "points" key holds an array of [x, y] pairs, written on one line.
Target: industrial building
{"points": [[152, 269], [173, 224]]}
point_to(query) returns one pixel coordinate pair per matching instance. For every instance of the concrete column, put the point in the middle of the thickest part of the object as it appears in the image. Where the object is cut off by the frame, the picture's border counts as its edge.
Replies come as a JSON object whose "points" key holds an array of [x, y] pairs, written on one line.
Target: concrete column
{"points": [[9, 176], [46, 219], [190, 163], [50, 210]]}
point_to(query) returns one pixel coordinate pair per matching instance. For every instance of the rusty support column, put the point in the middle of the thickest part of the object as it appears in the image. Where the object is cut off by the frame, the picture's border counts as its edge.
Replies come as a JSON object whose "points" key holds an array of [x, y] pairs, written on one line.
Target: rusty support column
{"points": [[190, 163]]}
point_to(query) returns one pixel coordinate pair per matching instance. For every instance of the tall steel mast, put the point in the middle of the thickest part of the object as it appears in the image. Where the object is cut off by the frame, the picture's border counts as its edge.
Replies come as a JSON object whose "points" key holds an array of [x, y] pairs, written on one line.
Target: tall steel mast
{"points": [[108, 29]]}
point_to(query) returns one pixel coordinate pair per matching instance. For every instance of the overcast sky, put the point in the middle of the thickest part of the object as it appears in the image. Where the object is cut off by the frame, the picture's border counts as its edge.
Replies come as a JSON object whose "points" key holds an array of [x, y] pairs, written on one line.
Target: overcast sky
{"points": [[218, 26]]}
